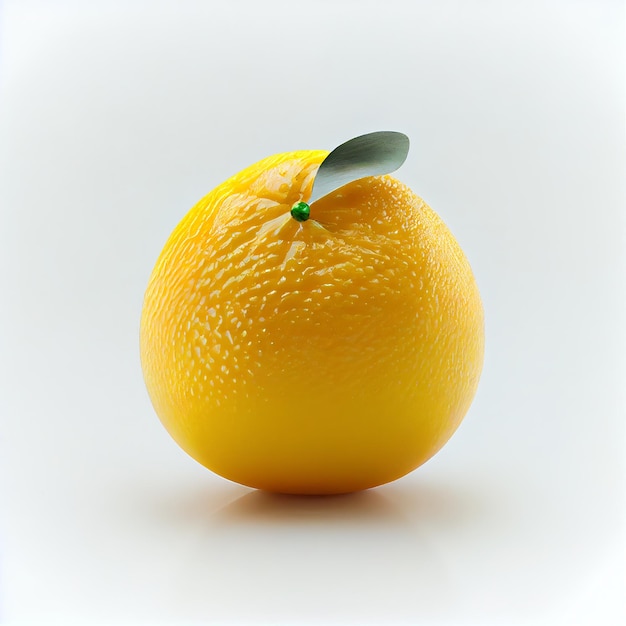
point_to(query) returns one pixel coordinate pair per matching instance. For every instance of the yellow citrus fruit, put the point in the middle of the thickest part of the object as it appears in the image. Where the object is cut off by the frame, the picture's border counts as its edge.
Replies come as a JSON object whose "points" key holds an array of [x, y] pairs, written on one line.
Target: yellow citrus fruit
{"points": [[312, 357]]}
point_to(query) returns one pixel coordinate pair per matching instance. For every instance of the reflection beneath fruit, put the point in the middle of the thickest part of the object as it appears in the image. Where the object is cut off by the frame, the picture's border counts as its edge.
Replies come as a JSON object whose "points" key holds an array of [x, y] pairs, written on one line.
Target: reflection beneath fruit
{"points": [[259, 507], [357, 557]]}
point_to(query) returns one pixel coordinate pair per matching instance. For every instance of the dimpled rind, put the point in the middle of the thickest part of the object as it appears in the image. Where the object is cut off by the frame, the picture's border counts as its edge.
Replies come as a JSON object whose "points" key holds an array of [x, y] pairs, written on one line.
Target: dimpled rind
{"points": [[318, 356]]}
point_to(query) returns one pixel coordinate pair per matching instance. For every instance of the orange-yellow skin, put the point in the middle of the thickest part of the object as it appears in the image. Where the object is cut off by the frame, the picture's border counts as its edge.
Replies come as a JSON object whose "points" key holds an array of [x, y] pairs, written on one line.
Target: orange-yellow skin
{"points": [[316, 357]]}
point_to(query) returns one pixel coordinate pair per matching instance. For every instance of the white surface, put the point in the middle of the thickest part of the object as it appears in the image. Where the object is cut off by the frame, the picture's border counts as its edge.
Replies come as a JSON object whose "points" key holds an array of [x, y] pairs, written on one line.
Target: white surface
{"points": [[116, 117]]}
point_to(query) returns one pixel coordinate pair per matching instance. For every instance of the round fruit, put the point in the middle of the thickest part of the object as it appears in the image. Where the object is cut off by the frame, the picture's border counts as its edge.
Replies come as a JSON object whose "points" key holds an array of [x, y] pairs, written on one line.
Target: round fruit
{"points": [[319, 355]]}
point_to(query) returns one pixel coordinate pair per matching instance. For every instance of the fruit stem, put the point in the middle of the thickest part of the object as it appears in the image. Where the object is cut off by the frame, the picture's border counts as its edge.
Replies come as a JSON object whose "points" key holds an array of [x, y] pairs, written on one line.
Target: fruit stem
{"points": [[301, 211]]}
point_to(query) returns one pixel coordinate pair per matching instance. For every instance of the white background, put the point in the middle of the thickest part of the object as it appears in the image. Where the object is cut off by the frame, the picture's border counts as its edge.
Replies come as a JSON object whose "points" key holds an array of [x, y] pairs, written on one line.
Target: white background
{"points": [[116, 117]]}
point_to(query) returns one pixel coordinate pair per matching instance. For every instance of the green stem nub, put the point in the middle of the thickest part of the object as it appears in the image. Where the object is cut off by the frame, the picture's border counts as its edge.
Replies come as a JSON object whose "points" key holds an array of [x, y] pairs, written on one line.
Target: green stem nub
{"points": [[301, 211]]}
